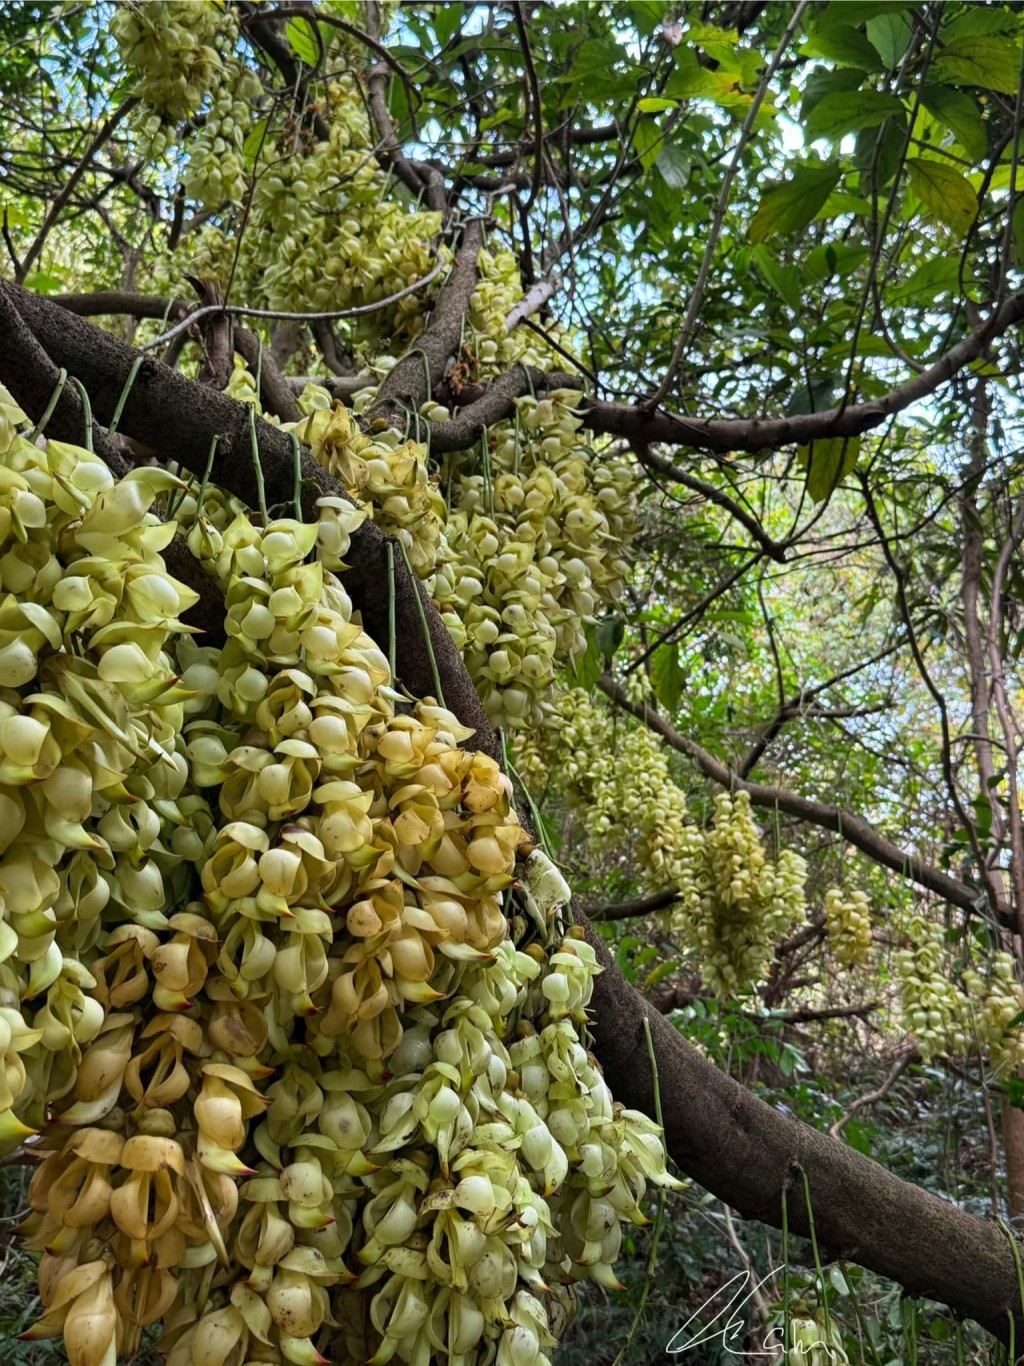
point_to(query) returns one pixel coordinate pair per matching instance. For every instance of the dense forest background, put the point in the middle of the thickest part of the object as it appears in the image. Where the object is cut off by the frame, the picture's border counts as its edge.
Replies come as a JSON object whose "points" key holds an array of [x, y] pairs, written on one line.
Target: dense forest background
{"points": [[677, 350]]}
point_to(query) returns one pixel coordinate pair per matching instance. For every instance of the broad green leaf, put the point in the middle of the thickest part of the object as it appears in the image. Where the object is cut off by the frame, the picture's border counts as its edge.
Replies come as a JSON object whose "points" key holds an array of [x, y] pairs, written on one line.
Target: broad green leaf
{"points": [[992, 63], [302, 40], [828, 462], [253, 142], [667, 676], [719, 43], [654, 104], [784, 280], [889, 34], [945, 193], [792, 205], [813, 396], [447, 20], [844, 45], [674, 165], [929, 282], [960, 114], [648, 139], [833, 258], [822, 81], [975, 20], [589, 666], [867, 345], [878, 154], [850, 111], [610, 635]]}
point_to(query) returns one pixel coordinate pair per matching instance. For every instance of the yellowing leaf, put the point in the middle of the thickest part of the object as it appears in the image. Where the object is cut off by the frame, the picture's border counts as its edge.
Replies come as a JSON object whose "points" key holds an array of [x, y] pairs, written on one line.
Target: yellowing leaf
{"points": [[993, 63], [945, 193], [828, 462]]}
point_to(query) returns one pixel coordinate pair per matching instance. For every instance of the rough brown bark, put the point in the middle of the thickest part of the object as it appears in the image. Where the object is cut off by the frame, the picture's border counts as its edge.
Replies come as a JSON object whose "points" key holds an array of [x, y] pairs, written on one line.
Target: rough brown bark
{"points": [[753, 1157], [177, 418]]}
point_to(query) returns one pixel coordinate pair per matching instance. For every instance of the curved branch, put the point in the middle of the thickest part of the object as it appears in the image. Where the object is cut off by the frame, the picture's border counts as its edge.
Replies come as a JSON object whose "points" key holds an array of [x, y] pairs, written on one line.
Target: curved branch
{"points": [[854, 829], [654, 460], [754, 1157], [176, 419], [634, 424], [641, 905], [717, 1131], [495, 404]]}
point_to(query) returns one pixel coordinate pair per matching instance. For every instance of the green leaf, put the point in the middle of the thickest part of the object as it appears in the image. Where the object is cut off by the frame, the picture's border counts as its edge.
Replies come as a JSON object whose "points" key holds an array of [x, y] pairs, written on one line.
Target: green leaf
{"points": [[609, 637], [960, 114], [878, 155], [849, 111], [654, 104], [828, 462], [844, 45], [1017, 227], [674, 165], [944, 192], [792, 205], [667, 676], [447, 21], [889, 34], [839, 1283], [822, 81], [992, 63], [589, 666], [936, 277], [301, 37], [648, 139], [253, 142], [783, 280]]}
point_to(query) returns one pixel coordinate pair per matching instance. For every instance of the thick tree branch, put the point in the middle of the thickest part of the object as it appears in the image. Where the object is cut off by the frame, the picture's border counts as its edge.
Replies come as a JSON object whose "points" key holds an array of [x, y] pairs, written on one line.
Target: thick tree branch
{"points": [[718, 1133], [275, 392], [634, 424], [753, 1156], [420, 372], [495, 404], [854, 829], [177, 418]]}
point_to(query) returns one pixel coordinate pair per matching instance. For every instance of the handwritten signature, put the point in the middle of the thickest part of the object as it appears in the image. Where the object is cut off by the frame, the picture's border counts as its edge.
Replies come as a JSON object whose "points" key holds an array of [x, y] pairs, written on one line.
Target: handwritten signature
{"points": [[734, 1329]]}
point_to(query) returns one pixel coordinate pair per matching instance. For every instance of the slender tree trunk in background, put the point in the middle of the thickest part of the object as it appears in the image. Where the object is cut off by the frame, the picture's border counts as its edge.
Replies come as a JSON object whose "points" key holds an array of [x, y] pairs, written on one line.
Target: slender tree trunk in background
{"points": [[1013, 1145]]}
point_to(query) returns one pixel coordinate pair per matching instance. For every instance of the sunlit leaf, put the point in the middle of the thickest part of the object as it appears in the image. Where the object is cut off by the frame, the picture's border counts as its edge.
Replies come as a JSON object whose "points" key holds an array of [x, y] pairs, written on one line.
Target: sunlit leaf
{"points": [[945, 193]]}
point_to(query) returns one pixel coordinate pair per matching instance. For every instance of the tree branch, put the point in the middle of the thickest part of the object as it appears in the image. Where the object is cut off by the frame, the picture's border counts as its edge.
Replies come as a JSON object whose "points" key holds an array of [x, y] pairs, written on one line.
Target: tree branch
{"points": [[177, 418], [634, 424], [419, 373], [754, 1157], [654, 460], [641, 905]]}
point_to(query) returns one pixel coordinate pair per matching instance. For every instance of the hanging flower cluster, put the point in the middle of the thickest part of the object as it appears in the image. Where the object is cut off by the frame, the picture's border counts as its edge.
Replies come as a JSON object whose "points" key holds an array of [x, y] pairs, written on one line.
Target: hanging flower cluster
{"points": [[848, 926], [298, 1088], [734, 903], [950, 1017]]}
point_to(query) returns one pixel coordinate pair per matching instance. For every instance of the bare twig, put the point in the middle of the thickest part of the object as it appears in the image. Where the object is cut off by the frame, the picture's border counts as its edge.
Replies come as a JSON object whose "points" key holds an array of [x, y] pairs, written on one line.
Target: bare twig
{"points": [[103, 135]]}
